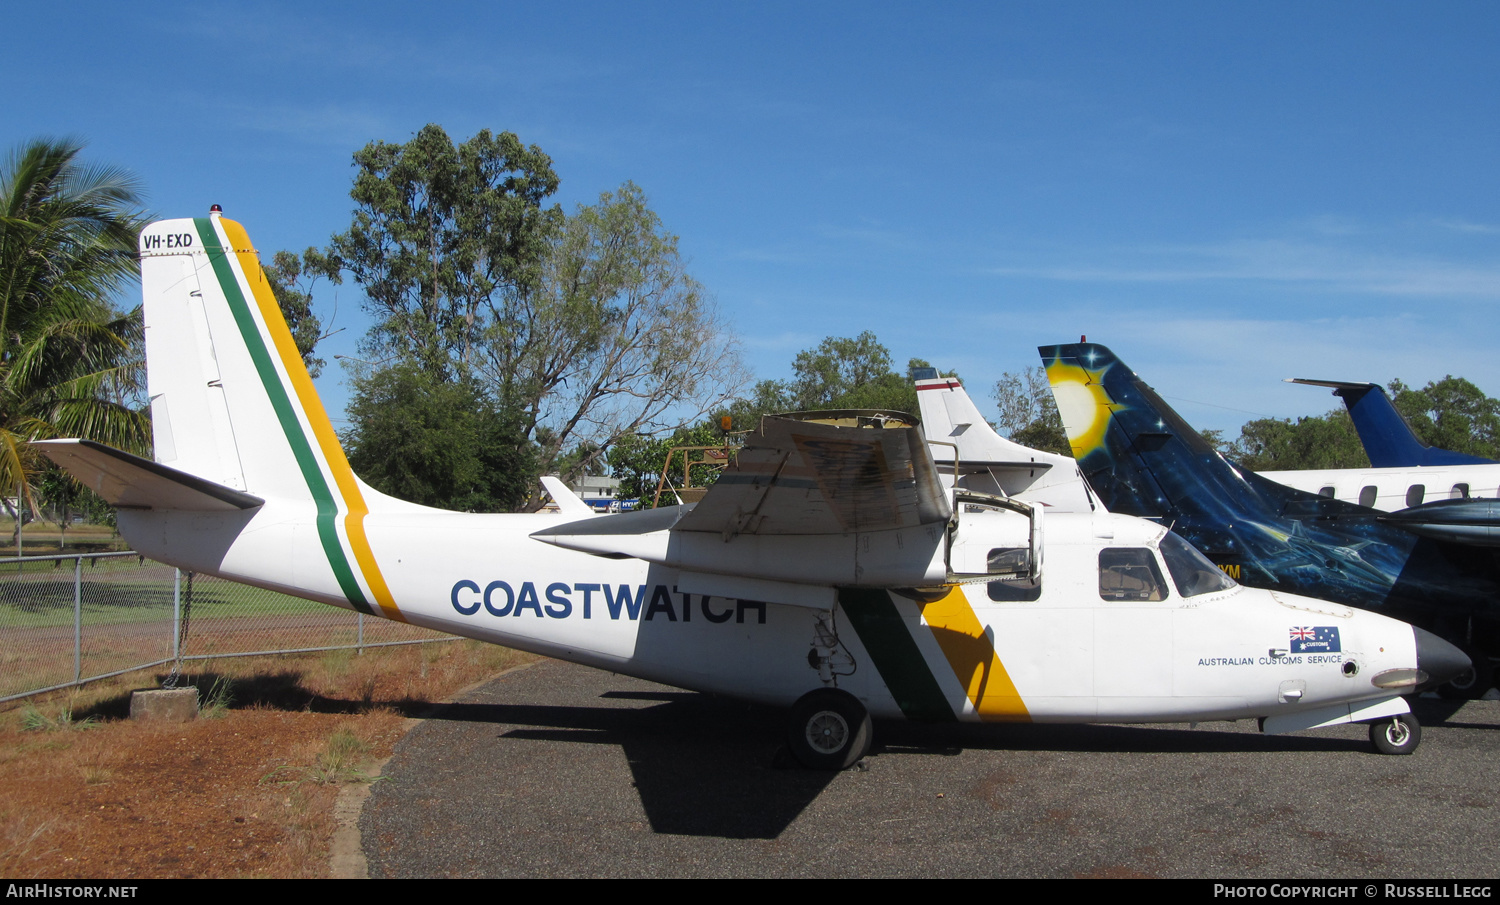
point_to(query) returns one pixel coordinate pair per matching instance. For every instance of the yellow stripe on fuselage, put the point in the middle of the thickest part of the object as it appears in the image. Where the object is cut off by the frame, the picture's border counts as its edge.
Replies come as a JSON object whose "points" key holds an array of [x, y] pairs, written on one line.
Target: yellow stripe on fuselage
{"points": [[971, 654], [317, 417]]}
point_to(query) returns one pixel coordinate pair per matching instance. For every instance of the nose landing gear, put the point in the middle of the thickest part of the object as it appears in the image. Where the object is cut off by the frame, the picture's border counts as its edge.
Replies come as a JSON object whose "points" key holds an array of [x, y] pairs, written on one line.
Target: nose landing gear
{"points": [[1396, 735]]}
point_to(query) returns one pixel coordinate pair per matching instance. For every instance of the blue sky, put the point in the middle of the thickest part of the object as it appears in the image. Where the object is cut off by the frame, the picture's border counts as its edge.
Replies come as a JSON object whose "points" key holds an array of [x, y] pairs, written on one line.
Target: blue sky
{"points": [[1226, 194]]}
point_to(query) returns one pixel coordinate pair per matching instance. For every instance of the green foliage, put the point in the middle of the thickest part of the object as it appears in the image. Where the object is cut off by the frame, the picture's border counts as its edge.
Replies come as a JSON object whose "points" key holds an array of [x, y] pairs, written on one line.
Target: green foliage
{"points": [[1451, 413], [838, 368], [638, 460], [839, 373], [442, 237], [218, 700], [56, 491], [619, 340], [1028, 412], [342, 760], [70, 365], [582, 329], [34, 720], [436, 442], [291, 279], [1279, 444]]}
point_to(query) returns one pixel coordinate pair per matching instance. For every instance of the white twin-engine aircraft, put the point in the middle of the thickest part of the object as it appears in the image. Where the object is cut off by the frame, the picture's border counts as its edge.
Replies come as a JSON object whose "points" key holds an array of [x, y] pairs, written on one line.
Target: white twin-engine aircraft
{"points": [[833, 569]]}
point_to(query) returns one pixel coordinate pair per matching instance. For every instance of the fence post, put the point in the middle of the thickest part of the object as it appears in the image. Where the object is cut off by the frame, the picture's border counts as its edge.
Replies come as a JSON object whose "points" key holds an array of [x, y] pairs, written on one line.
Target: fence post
{"points": [[78, 619], [360, 637], [177, 614]]}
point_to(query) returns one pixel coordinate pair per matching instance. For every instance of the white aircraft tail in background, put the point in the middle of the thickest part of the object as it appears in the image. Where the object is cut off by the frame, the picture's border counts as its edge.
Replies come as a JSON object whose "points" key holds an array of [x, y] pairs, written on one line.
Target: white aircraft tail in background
{"points": [[987, 462]]}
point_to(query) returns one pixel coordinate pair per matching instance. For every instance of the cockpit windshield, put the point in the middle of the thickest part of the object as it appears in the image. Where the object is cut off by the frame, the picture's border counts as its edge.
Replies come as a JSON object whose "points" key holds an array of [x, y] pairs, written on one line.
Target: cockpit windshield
{"points": [[1192, 572]]}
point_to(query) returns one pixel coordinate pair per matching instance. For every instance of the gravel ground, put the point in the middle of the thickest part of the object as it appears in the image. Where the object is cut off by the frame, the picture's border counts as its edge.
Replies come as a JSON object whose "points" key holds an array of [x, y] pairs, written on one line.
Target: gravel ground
{"points": [[563, 771]]}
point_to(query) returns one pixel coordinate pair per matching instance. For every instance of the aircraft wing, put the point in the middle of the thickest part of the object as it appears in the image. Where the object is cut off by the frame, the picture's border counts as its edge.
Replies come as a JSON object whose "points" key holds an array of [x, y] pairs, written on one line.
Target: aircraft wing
{"points": [[825, 473], [813, 502]]}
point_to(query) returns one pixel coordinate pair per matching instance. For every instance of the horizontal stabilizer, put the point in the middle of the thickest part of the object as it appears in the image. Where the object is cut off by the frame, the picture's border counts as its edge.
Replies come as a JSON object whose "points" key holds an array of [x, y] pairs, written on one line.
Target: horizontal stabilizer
{"points": [[1333, 384], [1473, 521], [131, 482]]}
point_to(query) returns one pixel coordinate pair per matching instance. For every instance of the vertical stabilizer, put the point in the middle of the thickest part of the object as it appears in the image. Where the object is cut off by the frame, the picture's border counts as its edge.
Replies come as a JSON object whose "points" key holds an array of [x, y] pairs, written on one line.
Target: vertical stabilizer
{"points": [[231, 401], [1388, 439], [987, 461], [1143, 459]]}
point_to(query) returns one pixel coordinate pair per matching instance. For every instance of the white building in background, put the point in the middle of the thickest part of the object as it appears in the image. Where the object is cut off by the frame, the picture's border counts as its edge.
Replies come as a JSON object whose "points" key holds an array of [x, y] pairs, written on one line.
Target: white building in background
{"points": [[599, 492]]}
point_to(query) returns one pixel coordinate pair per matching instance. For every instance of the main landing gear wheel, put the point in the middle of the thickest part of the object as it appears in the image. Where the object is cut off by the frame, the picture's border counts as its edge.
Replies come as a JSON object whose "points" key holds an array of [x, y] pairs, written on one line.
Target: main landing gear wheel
{"points": [[1474, 681], [829, 729], [1396, 735]]}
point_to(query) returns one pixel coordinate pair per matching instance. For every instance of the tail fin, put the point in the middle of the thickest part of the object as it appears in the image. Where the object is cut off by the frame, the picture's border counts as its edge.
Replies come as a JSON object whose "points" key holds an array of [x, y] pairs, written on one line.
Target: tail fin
{"points": [[1142, 459], [986, 458], [1388, 439], [1135, 452], [231, 401]]}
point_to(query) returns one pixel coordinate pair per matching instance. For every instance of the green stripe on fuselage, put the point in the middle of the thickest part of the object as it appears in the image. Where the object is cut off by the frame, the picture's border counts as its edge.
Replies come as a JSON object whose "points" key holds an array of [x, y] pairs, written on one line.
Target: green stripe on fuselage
{"points": [[887, 638], [328, 511]]}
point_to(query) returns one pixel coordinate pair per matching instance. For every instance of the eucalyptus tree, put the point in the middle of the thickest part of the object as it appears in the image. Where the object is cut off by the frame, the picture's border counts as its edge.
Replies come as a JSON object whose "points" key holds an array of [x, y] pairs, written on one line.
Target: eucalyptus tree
{"points": [[577, 330], [70, 363], [619, 339]]}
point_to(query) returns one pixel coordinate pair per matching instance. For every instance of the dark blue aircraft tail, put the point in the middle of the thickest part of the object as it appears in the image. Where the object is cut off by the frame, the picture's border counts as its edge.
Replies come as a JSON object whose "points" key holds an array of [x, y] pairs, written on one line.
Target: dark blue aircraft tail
{"points": [[1142, 459], [1389, 441]]}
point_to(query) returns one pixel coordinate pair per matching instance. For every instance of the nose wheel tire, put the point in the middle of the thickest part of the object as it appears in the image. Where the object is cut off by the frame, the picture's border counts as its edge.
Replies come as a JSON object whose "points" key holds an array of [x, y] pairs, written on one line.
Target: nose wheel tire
{"points": [[829, 730], [1396, 735]]}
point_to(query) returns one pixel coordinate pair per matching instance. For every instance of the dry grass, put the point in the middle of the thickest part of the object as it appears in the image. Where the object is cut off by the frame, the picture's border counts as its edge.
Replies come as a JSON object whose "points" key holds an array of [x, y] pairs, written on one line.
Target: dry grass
{"points": [[248, 794]]}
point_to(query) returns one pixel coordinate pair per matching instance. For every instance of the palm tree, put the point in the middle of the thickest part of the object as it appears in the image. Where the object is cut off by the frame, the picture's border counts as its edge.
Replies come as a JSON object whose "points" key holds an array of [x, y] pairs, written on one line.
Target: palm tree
{"points": [[70, 364]]}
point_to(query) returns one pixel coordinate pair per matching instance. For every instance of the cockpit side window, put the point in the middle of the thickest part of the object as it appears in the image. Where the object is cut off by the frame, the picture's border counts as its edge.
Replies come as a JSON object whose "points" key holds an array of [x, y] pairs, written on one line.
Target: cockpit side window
{"points": [[1192, 572], [1130, 573]]}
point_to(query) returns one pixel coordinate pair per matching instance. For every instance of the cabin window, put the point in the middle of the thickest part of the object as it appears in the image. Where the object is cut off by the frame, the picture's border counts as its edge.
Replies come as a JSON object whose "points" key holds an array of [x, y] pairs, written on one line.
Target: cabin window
{"points": [[1414, 494], [1015, 590], [1014, 560], [1130, 573], [1327, 492], [1367, 496], [1192, 572], [1460, 492], [1018, 586]]}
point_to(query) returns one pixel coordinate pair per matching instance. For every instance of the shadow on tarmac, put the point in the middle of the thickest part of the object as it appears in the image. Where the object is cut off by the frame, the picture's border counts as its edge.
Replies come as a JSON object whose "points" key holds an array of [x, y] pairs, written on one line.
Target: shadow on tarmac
{"points": [[707, 766]]}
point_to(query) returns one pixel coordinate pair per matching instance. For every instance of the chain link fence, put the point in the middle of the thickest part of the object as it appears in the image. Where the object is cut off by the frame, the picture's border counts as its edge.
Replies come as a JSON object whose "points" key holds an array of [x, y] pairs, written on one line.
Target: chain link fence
{"points": [[66, 620]]}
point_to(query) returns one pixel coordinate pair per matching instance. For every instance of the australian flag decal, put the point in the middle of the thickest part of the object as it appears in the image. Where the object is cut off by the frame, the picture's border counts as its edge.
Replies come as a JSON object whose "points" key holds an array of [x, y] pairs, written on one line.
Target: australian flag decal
{"points": [[1315, 639]]}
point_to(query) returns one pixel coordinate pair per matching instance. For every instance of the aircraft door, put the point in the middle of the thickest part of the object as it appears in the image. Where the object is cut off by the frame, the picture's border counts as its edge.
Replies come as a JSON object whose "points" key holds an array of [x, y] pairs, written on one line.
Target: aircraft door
{"points": [[994, 537]]}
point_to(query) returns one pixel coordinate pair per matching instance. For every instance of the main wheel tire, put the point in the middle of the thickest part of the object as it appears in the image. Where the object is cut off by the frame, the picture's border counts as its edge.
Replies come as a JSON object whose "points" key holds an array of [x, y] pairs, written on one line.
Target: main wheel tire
{"points": [[1396, 735], [829, 729], [1474, 682]]}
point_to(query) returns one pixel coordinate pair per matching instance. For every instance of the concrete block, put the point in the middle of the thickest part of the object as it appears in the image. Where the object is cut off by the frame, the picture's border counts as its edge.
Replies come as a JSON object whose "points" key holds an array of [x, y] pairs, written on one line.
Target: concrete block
{"points": [[170, 705]]}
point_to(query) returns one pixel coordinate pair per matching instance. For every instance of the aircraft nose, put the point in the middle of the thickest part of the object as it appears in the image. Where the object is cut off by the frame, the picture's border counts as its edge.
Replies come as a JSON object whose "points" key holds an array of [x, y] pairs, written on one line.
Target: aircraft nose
{"points": [[1437, 658]]}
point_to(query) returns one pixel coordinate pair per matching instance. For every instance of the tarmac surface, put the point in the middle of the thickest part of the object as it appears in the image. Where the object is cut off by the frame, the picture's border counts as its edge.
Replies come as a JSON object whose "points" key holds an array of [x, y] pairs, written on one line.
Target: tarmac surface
{"points": [[563, 771]]}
